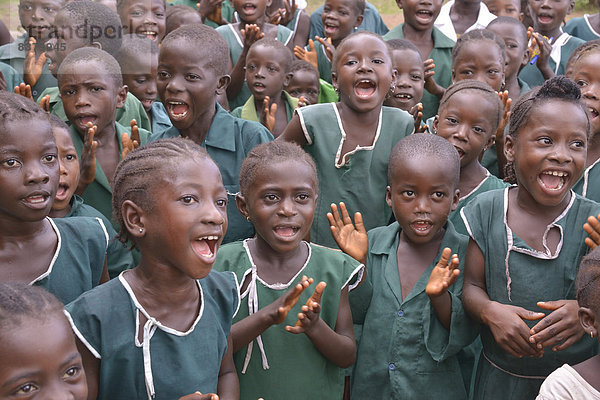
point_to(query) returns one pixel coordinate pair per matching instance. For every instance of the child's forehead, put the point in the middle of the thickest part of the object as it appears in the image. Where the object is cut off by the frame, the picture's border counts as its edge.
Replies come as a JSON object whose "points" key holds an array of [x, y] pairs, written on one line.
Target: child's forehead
{"points": [[305, 77], [62, 136], [341, 3], [508, 31], [364, 44], [408, 168], [267, 53], [55, 3], [142, 3], [406, 57]]}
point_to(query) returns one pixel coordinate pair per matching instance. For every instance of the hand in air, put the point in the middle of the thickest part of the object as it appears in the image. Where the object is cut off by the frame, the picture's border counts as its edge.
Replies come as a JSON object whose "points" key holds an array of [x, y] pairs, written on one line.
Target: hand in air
{"points": [[417, 113], [510, 331], [269, 114], [32, 67], [284, 16], [329, 47], [200, 396], [592, 227], [307, 55], [130, 143], [211, 10], [443, 275], [285, 303], [251, 34], [45, 103], [24, 90], [352, 241], [506, 102], [87, 164], [309, 316], [559, 329]]}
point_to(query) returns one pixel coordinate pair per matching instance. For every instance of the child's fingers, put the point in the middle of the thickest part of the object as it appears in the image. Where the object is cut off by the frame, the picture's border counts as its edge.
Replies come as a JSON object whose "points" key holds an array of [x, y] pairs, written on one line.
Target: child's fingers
{"points": [[345, 216], [316, 297], [45, 103], [311, 44], [358, 222], [445, 257], [337, 219], [590, 243]]}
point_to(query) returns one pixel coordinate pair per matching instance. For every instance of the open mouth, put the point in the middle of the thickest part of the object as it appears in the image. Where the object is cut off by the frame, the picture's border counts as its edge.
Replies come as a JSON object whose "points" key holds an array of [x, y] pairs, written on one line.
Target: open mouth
{"points": [[85, 119], [177, 109], [545, 18], [206, 246], [259, 85], [147, 103], [552, 180], [330, 28], [421, 227], [150, 35], [365, 88], [403, 96], [286, 231], [249, 8], [593, 113], [424, 15], [37, 200], [460, 151], [62, 192]]}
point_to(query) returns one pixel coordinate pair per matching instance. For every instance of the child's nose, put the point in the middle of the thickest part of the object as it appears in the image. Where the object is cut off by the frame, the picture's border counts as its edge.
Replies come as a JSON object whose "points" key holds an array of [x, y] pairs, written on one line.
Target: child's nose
{"points": [[36, 173], [561, 153], [287, 207], [211, 214], [461, 132], [365, 65], [174, 84], [37, 14]]}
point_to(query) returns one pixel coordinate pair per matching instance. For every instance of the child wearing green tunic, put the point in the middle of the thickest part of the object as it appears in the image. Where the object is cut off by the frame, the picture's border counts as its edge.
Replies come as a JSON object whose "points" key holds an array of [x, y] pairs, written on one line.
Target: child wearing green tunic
{"points": [[143, 18], [409, 307], [526, 243], [585, 27], [161, 329], [351, 141]]}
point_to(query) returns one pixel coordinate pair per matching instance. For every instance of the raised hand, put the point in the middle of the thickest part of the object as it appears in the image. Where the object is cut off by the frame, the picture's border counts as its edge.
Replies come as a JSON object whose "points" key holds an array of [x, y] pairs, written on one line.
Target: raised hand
{"points": [[285, 303], [592, 227], [561, 328], [545, 48], [417, 113], [45, 103], [24, 90], [32, 67], [302, 102], [430, 84], [130, 143], [329, 47], [443, 275], [352, 241], [284, 16], [307, 55], [211, 10], [251, 34], [309, 316], [268, 119], [200, 396], [87, 163]]}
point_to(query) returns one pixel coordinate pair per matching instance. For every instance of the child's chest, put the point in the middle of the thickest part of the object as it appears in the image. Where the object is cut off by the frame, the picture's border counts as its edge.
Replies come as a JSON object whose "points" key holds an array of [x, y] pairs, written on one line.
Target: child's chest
{"points": [[108, 157], [534, 230], [25, 262]]}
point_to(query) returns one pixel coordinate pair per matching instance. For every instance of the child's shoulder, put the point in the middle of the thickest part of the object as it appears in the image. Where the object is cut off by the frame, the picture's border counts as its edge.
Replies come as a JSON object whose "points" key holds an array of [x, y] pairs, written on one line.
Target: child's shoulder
{"points": [[223, 288], [83, 228], [382, 238]]}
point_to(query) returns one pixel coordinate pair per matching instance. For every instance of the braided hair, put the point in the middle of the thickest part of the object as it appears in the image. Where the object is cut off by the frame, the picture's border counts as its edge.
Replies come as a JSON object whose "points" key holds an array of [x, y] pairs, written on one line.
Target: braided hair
{"points": [[580, 52], [588, 281], [478, 35]]}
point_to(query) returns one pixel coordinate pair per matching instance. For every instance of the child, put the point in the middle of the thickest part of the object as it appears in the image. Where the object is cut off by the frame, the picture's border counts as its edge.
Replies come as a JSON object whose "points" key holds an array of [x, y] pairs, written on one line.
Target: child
{"points": [[188, 82], [179, 15], [88, 24], [91, 89], [582, 68], [585, 28], [304, 81], [371, 22], [410, 75], [351, 140], [138, 59], [66, 256], [27, 56], [267, 66], [239, 36], [461, 16], [526, 243], [212, 13], [432, 44], [554, 45], [505, 8], [143, 17], [409, 306], [38, 352], [279, 189], [292, 17], [581, 380], [161, 330], [68, 204]]}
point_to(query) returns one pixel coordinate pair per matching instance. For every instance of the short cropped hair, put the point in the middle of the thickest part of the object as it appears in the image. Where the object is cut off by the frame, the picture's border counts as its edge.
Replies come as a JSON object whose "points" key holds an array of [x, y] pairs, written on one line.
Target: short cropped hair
{"points": [[109, 65], [17, 108], [135, 47], [281, 49]]}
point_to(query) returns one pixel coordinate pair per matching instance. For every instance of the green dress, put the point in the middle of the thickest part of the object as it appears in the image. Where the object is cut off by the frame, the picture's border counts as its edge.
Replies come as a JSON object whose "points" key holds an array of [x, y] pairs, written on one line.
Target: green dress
{"points": [[226, 11], [248, 110], [132, 109], [404, 351], [166, 363], [581, 28], [518, 275], [323, 62], [78, 260], [118, 257], [228, 141], [98, 194], [236, 45], [327, 93], [561, 50], [282, 365], [588, 185], [442, 57], [358, 178]]}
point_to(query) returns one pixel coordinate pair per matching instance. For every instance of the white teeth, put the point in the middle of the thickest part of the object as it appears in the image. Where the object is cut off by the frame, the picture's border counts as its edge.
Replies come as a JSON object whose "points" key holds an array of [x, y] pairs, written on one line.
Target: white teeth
{"points": [[35, 199], [209, 238], [555, 173], [176, 102]]}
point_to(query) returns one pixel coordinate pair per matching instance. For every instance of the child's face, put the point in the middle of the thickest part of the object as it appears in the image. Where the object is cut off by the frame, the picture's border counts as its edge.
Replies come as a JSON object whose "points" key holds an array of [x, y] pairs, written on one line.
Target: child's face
{"points": [[144, 17], [265, 72], [516, 50], [143, 83], [480, 60], [364, 73], [37, 16], [549, 151], [251, 11], [339, 18], [465, 123], [89, 96], [28, 171], [505, 8], [189, 218], [420, 14], [410, 79], [281, 204], [304, 83], [186, 84], [422, 194], [586, 74], [548, 15], [65, 42], [40, 360], [69, 168]]}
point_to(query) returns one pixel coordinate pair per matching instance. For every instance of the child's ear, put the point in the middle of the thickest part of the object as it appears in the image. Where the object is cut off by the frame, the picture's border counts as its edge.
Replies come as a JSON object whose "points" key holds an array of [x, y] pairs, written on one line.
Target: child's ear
{"points": [[399, 4], [525, 59], [509, 148], [222, 84], [521, 16], [133, 219], [287, 79], [359, 21], [242, 206], [436, 123], [334, 81], [122, 96], [587, 319], [455, 199], [388, 196], [571, 7]]}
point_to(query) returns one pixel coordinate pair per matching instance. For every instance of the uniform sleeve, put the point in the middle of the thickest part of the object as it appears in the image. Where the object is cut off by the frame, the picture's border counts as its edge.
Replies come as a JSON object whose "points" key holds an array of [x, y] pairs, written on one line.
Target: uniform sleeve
{"points": [[118, 257], [237, 112], [254, 133], [85, 324], [308, 133], [473, 216]]}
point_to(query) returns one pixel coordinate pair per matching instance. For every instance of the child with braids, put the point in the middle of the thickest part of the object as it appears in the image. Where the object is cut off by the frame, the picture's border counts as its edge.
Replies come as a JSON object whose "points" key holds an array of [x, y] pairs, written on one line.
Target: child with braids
{"points": [[161, 329], [351, 140], [37, 347], [583, 69], [526, 243], [580, 381]]}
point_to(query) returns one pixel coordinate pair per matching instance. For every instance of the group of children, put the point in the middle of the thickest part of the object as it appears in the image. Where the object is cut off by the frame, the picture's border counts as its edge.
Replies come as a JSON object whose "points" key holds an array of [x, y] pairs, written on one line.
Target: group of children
{"points": [[240, 201]]}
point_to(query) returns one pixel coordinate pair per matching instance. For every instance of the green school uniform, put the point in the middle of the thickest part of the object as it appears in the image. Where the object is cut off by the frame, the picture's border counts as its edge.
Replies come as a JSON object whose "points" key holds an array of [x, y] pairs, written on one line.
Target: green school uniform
{"points": [[236, 45], [11, 76], [132, 109], [404, 351], [160, 117], [323, 62], [228, 141], [561, 50], [327, 93], [518, 275], [588, 185], [248, 110], [581, 28], [118, 258], [98, 194], [226, 11], [282, 365], [165, 363], [78, 260], [11, 55], [358, 178], [371, 22], [442, 57]]}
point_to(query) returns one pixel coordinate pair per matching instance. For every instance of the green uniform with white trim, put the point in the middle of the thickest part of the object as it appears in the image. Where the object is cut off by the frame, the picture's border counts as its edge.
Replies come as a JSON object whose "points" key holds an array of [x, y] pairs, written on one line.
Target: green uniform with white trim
{"points": [[588, 185], [248, 110], [581, 28]]}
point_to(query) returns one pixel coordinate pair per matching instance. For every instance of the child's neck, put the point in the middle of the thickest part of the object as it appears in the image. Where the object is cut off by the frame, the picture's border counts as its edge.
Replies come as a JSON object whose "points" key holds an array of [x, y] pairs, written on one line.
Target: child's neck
{"points": [[199, 129], [360, 126], [552, 33], [463, 15], [593, 153], [274, 266], [18, 231], [423, 39], [588, 370], [60, 213], [261, 22], [511, 84], [471, 176]]}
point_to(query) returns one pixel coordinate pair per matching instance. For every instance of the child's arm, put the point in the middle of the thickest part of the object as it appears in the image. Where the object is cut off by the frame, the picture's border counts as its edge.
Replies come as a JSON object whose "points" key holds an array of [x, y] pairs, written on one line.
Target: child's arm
{"points": [[505, 321], [443, 276], [337, 346], [91, 366], [353, 242], [251, 34], [246, 330], [87, 164], [293, 132], [499, 136], [228, 387], [430, 84]]}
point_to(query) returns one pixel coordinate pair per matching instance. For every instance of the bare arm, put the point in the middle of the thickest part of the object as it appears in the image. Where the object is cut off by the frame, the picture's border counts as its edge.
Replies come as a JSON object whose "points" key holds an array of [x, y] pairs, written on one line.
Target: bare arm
{"points": [[250, 35], [91, 366], [228, 387], [293, 132], [302, 30]]}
